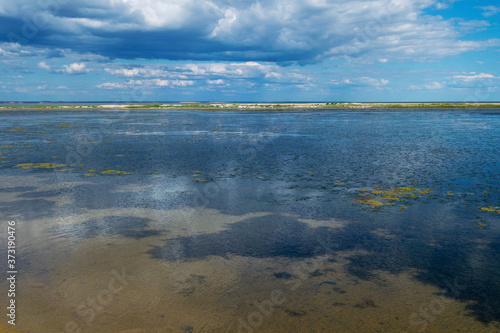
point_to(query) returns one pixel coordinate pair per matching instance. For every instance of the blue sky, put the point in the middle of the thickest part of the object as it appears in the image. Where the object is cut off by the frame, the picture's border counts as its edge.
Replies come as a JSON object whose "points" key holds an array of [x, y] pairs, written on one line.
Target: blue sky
{"points": [[246, 50]]}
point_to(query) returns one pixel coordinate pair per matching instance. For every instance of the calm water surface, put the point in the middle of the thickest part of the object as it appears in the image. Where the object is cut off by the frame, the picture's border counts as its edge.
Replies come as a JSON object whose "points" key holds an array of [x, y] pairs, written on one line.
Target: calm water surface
{"points": [[195, 221]]}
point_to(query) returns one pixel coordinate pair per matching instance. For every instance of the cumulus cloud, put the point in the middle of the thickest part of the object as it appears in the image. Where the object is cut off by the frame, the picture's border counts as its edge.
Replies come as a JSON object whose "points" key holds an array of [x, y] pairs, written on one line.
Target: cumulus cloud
{"points": [[474, 77], [215, 82], [43, 65], [75, 68], [433, 85], [212, 72], [72, 69], [361, 81], [111, 85], [264, 30], [207, 76], [46, 86], [430, 86], [150, 82], [489, 10], [167, 83], [484, 82]]}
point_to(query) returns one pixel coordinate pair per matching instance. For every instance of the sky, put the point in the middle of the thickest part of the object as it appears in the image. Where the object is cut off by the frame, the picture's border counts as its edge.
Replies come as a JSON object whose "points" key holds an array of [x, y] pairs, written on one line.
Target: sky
{"points": [[250, 51]]}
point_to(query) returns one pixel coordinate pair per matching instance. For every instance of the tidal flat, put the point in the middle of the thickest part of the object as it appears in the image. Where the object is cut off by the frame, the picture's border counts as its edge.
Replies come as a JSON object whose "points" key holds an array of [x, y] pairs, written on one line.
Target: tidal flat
{"points": [[154, 220]]}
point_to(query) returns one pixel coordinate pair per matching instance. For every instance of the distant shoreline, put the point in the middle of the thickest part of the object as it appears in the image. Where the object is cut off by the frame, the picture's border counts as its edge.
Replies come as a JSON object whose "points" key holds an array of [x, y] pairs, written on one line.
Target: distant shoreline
{"points": [[264, 106]]}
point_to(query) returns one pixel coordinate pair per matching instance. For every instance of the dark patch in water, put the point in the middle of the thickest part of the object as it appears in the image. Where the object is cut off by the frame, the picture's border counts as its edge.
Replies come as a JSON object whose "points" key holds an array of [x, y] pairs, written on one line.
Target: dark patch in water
{"points": [[279, 236], [138, 234], [42, 194], [456, 266], [366, 303], [260, 237], [126, 226], [18, 189], [328, 282], [196, 278], [360, 272], [28, 209], [188, 329], [316, 273], [338, 290], [283, 275], [295, 313], [460, 281], [188, 291]]}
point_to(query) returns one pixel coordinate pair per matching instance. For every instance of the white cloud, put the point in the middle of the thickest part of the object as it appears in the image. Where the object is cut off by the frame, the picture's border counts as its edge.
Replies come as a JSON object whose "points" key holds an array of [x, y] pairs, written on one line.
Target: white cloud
{"points": [[75, 68], [362, 81], [474, 77], [215, 82], [212, 72], [109, 85], [45, 86], [433, 85], [261, 30], [489, 10], [123, 71], [43, 65], [168, 83], [149, 82], [429, 86]]}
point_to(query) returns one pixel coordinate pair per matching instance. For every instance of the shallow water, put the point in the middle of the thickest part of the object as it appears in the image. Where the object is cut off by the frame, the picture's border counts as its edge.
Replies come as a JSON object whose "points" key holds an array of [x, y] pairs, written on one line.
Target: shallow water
{"points": [[196, 221]]}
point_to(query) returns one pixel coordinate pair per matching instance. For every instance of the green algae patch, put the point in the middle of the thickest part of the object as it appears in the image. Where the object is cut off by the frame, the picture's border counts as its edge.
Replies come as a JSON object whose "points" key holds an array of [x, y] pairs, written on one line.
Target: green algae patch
{"points": [[491, 209], [389, 196], [200, 179], [90, 174], [70, 169], [371, 203], [5, 146], [116, 172], [39, 165]]}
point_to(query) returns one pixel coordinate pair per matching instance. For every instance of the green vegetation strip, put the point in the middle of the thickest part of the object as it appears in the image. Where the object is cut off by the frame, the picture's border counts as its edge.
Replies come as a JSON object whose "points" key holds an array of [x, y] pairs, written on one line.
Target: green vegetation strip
{"points": [[270, 106]]}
